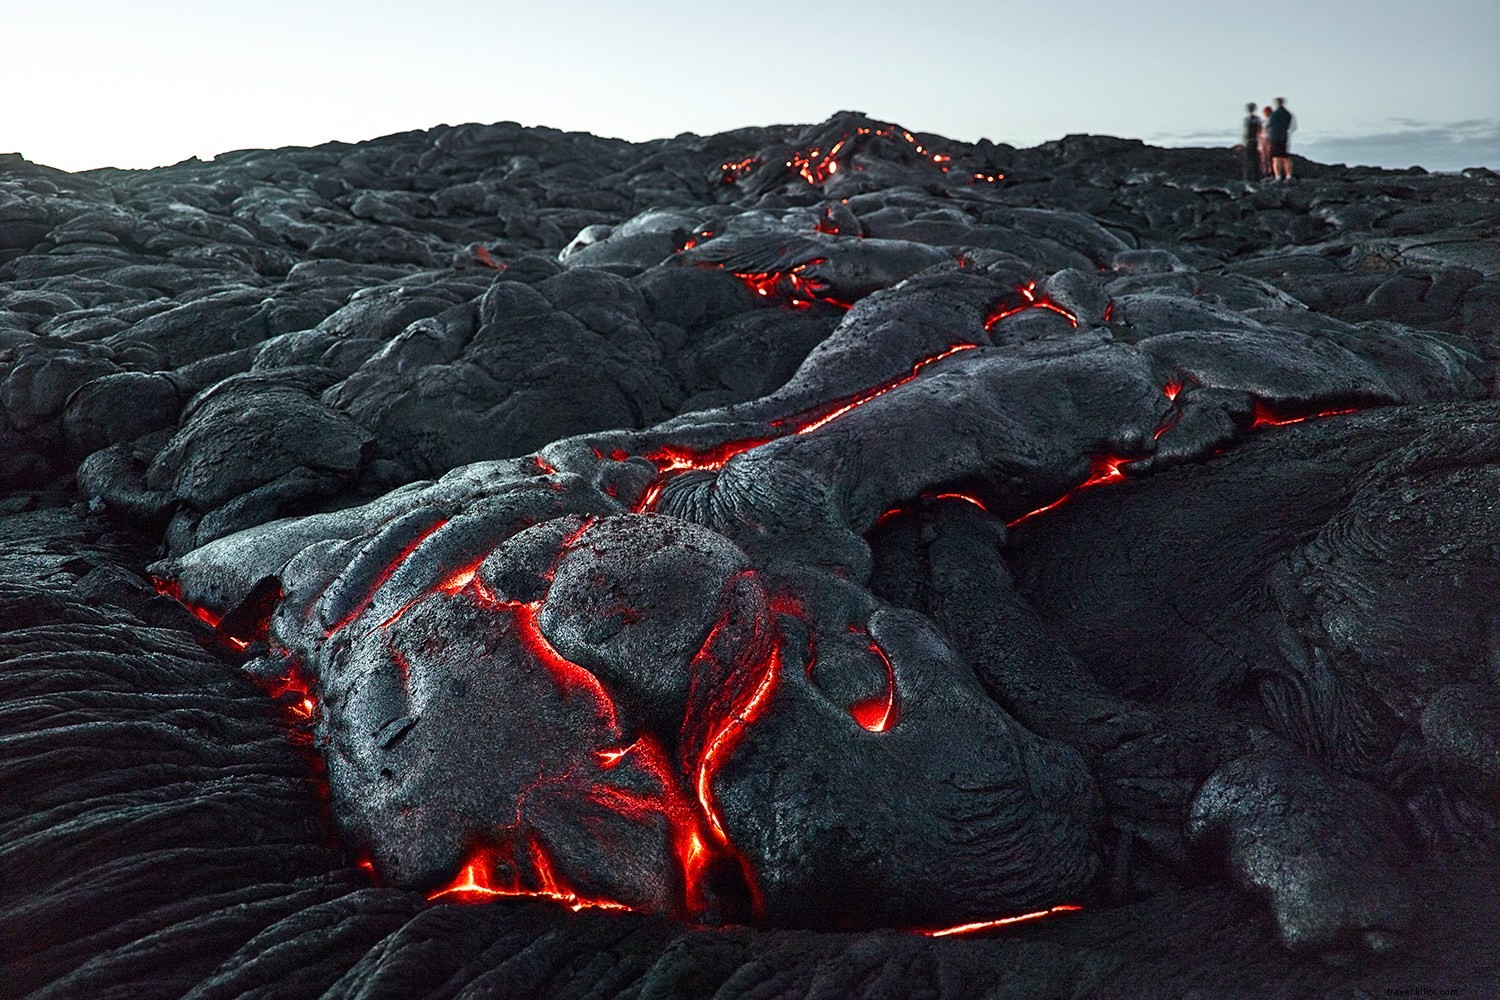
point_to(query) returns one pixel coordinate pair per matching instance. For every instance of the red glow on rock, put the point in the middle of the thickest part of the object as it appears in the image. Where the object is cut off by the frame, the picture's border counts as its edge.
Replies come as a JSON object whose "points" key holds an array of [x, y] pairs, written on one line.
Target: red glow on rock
{"points": [[295, 692], [875, 393], [673, 459], [1266, 417], [386, 573], [1028, 300], [1171, 389], [965, 497], [486, 258], [814, 165], [985, 925], [799, 291], [568, 675], [1104, 469], [1109, 310], [173, 589], [878, 714], [731, 172], [546, 467], [981, 178], [480, 881], [688, 841], [727, 735]]}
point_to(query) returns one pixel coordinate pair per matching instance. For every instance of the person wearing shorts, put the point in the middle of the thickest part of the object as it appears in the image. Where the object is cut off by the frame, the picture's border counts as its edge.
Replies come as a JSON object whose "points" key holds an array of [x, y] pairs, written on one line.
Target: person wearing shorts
{"points": [[1279, 130]]}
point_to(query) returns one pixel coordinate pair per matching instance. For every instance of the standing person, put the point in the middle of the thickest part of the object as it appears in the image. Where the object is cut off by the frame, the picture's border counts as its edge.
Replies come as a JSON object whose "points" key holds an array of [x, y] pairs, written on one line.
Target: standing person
{"points": [[1265, 142], [1252, 144], [1279, 128]]}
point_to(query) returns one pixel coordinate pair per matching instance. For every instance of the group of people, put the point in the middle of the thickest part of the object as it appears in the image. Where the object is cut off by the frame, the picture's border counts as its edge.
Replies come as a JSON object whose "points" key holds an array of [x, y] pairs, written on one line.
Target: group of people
{"points": [[1266, 141]]}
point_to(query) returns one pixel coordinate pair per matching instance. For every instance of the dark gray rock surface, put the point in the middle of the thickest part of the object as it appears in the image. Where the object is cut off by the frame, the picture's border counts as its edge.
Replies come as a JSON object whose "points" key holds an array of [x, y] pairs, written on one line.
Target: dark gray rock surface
{"points": [[925, 545]]}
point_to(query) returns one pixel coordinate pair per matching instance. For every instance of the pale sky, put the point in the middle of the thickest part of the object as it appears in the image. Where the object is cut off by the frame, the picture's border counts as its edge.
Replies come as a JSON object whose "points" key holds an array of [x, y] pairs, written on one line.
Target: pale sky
{"points": [[138, 83]]}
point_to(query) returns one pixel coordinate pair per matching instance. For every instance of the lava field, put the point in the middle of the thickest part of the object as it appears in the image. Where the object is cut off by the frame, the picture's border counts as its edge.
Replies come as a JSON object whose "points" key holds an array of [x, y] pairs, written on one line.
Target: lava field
{"points": [[820, 560]]}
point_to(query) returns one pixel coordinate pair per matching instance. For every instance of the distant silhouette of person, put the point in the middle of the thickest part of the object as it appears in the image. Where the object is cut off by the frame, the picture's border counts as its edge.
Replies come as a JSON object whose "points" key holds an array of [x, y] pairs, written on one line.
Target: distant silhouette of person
{"points": [[1252, 145], [1279, 129], [1265, 142]]}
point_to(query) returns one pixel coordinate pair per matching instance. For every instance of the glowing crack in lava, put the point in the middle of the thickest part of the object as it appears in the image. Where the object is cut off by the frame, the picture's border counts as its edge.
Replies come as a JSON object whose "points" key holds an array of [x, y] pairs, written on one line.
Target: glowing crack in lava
{"points": [[980, 926], [479, 882], [1264, 416], [865, 397], [731, 172], [967, 498], [1028, 300], [877, 714], [816, 165], [671, 460], [515, 861], [1103, 469], [483, 255], [799, 290]]}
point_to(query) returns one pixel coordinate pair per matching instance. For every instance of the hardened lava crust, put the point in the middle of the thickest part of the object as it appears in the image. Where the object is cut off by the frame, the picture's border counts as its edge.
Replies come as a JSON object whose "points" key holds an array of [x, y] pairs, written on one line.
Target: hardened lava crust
{"points": [[811, 560]]}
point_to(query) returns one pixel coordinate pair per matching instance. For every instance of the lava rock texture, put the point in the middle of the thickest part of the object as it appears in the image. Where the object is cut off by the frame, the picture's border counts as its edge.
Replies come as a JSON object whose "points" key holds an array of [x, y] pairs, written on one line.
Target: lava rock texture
{"points": [[492, 561]]}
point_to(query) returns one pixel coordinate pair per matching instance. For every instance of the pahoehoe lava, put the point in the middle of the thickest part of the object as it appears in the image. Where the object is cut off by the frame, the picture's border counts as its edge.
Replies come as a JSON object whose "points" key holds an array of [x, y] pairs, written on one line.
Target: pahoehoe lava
{"points": [[823, 559]]}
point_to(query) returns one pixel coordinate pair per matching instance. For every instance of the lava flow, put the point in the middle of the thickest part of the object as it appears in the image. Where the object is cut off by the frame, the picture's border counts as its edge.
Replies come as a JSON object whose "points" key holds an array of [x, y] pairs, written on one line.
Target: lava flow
{"points": [[1104, 469], [1264, 416], [1029, 300], [696, 833], [479, 882], [731, 172], [964, 497], [985, 925], [800, 291], [868, 395], [879, 713], [671, 460]]}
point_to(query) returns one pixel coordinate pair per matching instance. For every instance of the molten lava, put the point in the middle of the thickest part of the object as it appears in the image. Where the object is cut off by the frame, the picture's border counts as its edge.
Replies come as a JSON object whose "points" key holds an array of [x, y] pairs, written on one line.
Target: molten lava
{"points": [[1028, 300], [1266, 417], [486, 258], [1104, 469], [876, 393], [879, 713], [985, 925], [731, 172], [479, 882], [173, 589], [799, 290], [385, 574]]}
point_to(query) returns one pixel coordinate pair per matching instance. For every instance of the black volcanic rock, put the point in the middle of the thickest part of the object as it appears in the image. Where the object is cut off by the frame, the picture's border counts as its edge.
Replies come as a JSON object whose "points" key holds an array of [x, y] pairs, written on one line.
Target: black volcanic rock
{"points": [[802, 536]]}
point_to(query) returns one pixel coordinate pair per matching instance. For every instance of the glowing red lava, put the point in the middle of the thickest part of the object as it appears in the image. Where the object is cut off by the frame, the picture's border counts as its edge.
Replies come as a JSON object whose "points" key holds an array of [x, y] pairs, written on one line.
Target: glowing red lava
{"points": [[964, 497], [815, 165], [385, 574], [867, 396], [985, 925], [877, 714], [1029, 300], [731, 172], [486, 258], [799, 290], [478, 882], [1104, 469], [671, 460], [173, 589], [1266, 417]]}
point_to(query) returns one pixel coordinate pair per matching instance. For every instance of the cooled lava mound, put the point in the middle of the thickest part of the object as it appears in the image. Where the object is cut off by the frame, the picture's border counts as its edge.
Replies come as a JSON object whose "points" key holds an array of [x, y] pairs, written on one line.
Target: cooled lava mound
{"points": [[831, 559]]}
